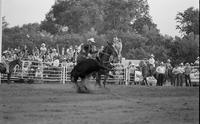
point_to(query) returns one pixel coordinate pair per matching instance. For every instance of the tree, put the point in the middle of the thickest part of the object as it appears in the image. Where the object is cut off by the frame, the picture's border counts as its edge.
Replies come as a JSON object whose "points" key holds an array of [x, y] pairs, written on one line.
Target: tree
{"points": [[185, 49], [140, 24], [102, 15], [28, 34], [188, 21]]}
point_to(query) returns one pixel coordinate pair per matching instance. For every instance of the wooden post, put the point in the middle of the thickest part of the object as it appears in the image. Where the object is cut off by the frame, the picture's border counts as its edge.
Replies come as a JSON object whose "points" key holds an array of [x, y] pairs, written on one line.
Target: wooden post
{"points": [[63, 72]]}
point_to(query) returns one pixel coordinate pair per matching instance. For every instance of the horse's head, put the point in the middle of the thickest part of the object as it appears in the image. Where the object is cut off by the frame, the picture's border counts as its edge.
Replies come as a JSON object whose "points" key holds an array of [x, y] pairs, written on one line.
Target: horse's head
{"points": [[107, 53], [111, 50]]}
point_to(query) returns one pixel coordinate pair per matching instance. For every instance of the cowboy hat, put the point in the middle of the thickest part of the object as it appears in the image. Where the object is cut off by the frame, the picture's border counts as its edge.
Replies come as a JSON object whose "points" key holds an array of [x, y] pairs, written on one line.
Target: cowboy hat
{"points": [[187, 64], [152, 55], [91, 40], [181, 64], [43, 44], [168, 60]]}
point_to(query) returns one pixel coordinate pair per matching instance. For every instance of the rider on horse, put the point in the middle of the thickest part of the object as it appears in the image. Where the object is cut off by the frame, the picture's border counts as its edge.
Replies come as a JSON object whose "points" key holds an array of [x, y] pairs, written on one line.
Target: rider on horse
{"points": [[87, 50]]}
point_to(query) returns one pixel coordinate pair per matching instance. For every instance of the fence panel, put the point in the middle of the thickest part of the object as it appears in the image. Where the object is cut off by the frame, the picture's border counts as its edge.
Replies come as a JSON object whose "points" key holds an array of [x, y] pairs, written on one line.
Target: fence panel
{"points": [[46, 72]]}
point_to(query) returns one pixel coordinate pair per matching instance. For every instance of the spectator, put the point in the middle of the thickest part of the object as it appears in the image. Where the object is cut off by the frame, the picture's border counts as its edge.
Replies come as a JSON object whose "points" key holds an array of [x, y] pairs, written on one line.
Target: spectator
{"points": [[63, 51], [188, 70], [151, 64], [37, 57], [144, 70], [79, 48], [70, 54], [161, 74], [25, 50], [181, 70], [197, 62], [54, 53], [76, 52], [56, 61], [175, 73], [130, 72], [43, 51], [117, 44], [169, 71], [36, 51]]}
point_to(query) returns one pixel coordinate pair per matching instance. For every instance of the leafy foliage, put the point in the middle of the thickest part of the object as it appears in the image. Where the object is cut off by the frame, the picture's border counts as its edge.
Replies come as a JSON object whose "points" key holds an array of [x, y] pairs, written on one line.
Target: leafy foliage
{"points": [[72, 22], [188, 21]]}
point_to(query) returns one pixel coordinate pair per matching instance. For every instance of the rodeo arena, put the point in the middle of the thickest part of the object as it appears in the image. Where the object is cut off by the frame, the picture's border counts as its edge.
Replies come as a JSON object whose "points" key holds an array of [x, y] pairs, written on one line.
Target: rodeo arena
{"points": [[86, 84]]}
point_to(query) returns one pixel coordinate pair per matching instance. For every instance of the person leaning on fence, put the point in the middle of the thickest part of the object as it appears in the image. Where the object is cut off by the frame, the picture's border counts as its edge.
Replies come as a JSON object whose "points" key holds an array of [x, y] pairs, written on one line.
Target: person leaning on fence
{"points": [[130, 72], [53, 54], [56, 61], [161, 74], [187, 73]]}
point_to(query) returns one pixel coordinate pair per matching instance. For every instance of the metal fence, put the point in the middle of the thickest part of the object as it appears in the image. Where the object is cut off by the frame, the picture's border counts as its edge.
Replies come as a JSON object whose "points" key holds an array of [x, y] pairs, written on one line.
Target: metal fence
{"points": [[46, 72], [35, 71]]}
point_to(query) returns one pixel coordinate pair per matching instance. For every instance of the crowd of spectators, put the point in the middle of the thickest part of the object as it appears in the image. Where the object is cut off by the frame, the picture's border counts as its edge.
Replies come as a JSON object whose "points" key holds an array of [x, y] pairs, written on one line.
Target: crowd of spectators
{"points": [[176, 75], [42, 54]]}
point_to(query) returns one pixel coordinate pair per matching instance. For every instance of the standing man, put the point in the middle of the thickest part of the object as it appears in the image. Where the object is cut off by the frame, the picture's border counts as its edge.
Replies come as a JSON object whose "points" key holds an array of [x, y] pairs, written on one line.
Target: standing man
{"points": [[117, 44], [197, 62], [188, 70], [43, 51], [169, 71], [181, 75], [151, 64], [70, 54], [144, 70], [161, 74]]}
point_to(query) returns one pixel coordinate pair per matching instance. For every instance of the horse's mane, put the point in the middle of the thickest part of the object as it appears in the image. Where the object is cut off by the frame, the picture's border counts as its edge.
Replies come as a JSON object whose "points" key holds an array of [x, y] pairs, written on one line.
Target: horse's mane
{"points": [[107, 52], [14, 62]]}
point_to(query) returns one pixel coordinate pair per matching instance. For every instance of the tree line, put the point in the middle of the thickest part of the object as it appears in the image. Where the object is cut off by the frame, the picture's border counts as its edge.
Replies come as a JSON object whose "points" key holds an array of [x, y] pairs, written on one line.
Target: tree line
{"points": [[72, 22]]}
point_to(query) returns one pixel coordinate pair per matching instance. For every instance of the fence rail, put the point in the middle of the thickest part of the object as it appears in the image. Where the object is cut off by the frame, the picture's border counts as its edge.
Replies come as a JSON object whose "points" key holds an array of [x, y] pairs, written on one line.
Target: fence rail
{"points": [[46, 72]]}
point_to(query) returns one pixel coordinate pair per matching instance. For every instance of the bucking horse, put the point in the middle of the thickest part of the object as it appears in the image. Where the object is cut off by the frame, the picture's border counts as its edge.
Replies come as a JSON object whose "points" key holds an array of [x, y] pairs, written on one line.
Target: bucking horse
{"points": [[100, 65], [105, 59]]}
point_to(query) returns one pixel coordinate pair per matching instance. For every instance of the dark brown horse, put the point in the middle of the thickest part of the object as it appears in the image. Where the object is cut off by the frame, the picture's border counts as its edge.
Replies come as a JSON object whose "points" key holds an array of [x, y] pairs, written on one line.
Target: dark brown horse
{"points": [[104, 59], [11, 65]]}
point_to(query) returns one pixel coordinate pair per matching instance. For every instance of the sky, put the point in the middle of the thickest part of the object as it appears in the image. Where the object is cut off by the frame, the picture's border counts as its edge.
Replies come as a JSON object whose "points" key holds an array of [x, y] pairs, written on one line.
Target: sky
{"points": [[163, 12]]}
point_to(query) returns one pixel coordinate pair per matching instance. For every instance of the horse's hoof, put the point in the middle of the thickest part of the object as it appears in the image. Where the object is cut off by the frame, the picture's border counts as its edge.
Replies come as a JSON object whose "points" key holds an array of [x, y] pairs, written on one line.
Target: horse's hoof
{"points": [[82, 90]]}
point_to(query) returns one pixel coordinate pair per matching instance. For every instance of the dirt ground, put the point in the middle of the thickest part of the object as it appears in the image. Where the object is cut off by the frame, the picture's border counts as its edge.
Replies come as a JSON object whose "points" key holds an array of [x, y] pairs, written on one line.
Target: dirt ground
{"points": [[60, 104]]}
